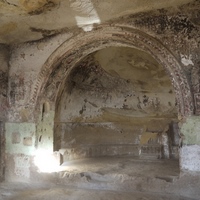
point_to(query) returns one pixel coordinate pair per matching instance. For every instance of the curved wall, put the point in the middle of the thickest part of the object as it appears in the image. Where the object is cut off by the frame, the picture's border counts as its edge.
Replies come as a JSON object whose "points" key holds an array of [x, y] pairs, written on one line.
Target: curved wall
{"points": [[116, 101]]}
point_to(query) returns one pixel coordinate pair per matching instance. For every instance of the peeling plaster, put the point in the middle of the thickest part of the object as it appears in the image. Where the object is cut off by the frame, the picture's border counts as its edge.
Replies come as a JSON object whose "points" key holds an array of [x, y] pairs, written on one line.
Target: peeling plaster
{"points": [[187, 60], [62, 14], [33, 63]]}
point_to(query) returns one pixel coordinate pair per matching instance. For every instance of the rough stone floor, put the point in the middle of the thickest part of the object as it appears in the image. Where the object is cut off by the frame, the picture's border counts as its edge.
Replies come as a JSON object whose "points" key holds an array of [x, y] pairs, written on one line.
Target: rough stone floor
{"points": [[122, 165], [109, 179], [62, 193]]}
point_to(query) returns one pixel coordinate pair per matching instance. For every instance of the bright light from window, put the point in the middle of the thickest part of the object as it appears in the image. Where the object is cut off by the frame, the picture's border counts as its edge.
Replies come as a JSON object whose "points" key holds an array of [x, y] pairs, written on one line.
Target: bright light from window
{"points": [[85, 23], [46, 161], [88, 12]]}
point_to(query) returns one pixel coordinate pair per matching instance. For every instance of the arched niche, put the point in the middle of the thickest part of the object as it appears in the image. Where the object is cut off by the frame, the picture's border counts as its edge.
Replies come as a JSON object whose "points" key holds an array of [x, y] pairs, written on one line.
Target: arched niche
{"points": [[117, 101], [57, 68], [65, 57]]}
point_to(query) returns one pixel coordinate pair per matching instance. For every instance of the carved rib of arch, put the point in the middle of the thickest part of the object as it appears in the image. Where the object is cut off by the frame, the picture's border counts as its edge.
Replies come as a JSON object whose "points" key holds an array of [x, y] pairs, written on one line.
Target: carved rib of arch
{"points": [[65, 57]]}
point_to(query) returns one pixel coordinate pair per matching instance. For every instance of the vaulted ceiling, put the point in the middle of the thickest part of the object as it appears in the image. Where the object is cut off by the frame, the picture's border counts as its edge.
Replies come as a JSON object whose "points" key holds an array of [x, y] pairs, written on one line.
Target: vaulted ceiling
{"points": [[28, 20]]}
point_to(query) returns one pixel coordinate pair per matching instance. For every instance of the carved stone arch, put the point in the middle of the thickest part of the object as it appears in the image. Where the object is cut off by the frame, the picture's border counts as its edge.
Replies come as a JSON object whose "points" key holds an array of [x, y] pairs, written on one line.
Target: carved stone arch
{"points": [[65, 57]]}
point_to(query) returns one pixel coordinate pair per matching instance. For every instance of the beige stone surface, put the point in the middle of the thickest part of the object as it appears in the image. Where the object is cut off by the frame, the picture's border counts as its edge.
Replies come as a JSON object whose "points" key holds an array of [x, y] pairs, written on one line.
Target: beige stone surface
{"points": [[81, 194], [23, 20], [145, 75], [105, 178]]}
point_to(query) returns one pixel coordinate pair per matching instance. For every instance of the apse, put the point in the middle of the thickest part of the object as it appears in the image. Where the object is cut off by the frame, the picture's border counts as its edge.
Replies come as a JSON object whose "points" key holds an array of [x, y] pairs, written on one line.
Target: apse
{"points": [[117, 102]]}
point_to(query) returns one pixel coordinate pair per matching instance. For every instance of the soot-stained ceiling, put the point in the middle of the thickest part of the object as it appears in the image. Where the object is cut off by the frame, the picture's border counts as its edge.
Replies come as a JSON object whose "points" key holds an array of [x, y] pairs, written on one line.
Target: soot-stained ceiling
{"points": [[117, 81], [28, 20]]}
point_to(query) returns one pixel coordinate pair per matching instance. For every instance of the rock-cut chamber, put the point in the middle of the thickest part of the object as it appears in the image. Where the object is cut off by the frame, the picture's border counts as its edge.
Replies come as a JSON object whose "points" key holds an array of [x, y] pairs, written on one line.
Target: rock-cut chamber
{"points": [[115, 102]]}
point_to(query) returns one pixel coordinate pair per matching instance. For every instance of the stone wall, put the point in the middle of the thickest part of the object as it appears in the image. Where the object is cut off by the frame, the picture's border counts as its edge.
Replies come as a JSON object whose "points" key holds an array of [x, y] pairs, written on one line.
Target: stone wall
{"points": [[4, 58], [22, 128], [112, 99], [2, 152], [190, 151], [38, 72]]}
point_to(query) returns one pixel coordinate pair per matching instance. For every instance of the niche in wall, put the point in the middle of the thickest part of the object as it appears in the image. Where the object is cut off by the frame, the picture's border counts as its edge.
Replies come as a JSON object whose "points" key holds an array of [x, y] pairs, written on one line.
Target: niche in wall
{"points": [[117, 101]]}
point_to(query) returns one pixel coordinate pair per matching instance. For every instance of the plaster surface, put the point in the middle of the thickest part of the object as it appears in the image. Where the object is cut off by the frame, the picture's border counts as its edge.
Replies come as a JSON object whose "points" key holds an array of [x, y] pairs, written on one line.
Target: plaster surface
{"points": [[111, 100], [190, 131], [189, 158], [59, 38], [4, 59], [23, 21], [20, 138]]}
